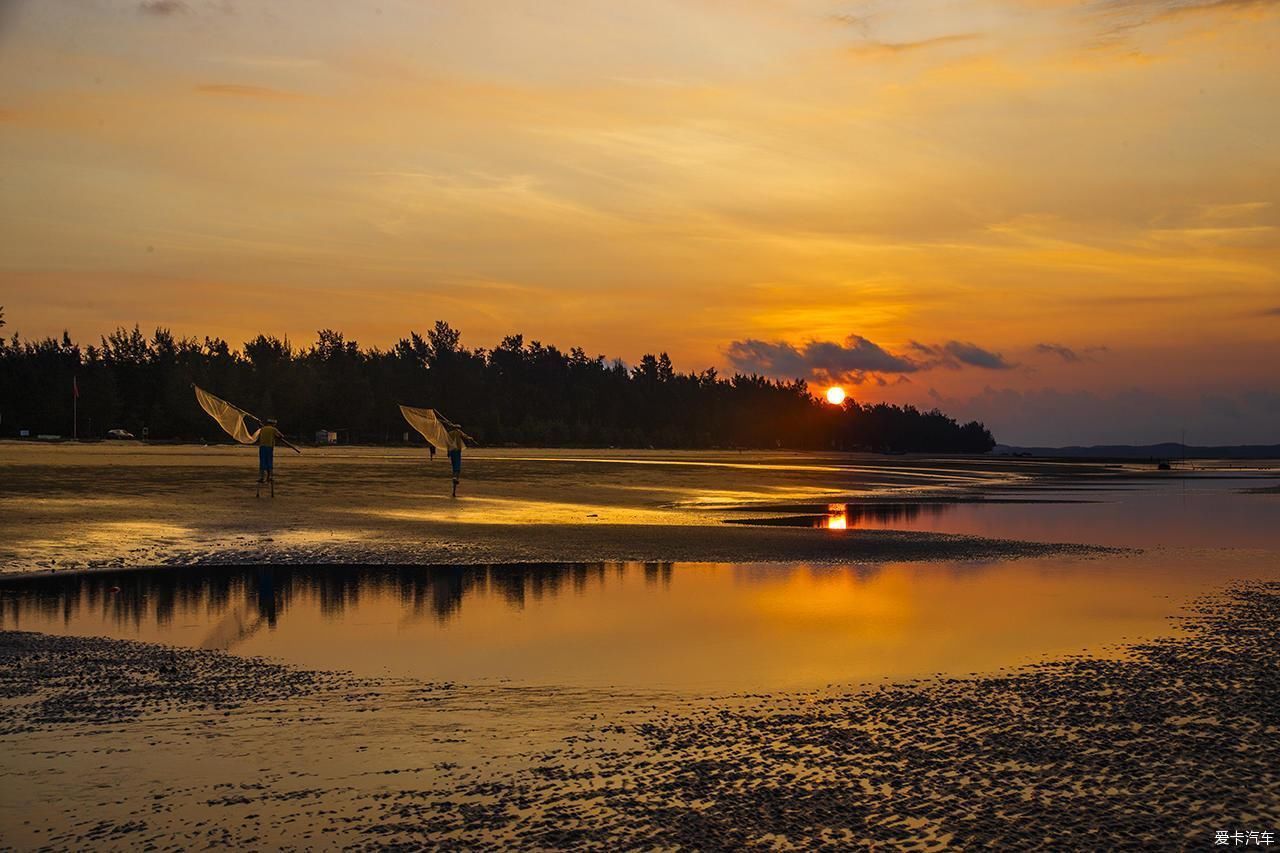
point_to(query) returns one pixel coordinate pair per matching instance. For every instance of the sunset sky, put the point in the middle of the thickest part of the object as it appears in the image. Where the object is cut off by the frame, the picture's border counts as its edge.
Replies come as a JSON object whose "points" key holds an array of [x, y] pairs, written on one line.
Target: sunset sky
{"points": [[1059, 216]]}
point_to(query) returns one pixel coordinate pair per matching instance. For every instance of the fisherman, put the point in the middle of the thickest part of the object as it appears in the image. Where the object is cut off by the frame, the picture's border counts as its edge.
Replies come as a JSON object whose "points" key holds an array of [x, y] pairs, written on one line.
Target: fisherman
{"points": [[439, 432], [266, 441], [457, 440]]}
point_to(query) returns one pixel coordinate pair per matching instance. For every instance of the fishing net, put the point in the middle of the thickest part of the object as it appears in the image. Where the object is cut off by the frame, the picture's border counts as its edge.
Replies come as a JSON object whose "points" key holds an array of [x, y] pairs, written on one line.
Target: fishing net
{"points": [[428, 424], [228, 416]]}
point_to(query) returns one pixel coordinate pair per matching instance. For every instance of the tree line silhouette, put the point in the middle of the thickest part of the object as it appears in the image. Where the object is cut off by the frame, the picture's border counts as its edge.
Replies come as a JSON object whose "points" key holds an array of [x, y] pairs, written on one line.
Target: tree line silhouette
{"points": [[517, 392]]}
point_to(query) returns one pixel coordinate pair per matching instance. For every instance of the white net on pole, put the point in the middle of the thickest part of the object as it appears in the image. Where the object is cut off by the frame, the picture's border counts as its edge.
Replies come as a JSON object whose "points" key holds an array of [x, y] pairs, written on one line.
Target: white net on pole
{"points": [[428, 425], [228, 416]]}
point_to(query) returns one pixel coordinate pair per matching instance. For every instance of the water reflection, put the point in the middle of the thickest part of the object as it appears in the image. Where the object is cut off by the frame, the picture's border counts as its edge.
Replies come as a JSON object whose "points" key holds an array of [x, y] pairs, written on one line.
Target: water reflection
{"points": [[257, 597], [854, 516], [1186, 513], [690, 626]]}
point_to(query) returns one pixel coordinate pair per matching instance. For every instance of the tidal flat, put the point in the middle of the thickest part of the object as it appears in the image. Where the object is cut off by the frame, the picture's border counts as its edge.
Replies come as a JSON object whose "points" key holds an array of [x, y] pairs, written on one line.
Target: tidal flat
{"points": [[602, 648], [72, 507]]}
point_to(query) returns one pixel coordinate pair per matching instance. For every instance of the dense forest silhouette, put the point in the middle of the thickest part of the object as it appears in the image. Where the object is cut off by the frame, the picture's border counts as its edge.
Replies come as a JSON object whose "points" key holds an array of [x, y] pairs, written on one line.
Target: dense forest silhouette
{"points": [[517, 392]]}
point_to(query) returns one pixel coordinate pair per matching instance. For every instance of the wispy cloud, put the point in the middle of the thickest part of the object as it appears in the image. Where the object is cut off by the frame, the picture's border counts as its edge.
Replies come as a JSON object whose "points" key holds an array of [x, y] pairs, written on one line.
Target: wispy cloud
{"points": [[1063, 352], [162, 7], [889, 48], [862, 23], [1069, 354], [288, 63], [242, 91], [1125, 17], [1233, 211], [1167, 9]]}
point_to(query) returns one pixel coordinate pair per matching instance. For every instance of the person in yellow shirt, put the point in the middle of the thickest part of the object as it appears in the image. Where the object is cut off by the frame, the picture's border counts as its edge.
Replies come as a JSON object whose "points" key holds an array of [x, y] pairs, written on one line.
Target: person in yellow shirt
{"points": [[267, 438]]}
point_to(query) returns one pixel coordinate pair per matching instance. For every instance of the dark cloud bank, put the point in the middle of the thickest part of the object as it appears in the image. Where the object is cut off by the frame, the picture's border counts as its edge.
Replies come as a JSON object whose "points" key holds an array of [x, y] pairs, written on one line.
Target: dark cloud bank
{"points": [[856, 358]]}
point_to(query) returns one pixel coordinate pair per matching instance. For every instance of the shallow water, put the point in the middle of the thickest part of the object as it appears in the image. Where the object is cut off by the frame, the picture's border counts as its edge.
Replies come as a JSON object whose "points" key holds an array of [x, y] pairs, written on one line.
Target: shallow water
{"points": [[552, 683], [1209, 511], [687, 627], [704, 627]]}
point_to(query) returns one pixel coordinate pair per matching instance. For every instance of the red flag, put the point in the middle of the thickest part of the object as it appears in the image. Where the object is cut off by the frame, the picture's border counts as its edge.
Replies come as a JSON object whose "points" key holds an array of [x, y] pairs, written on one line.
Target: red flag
{"points": [[75, 388]]}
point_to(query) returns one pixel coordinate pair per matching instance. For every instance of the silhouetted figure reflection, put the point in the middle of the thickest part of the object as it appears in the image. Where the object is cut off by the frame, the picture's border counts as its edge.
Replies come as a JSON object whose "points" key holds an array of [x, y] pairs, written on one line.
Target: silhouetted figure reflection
{"points": [[267, 603]]}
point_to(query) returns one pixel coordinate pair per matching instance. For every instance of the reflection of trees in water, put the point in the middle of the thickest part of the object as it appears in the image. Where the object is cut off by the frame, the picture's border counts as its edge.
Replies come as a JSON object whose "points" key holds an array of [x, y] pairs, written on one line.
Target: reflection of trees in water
{"points": [[265, 594], [653, 572], [851, 516], [126, 598], [893, 513], [234, 603]]}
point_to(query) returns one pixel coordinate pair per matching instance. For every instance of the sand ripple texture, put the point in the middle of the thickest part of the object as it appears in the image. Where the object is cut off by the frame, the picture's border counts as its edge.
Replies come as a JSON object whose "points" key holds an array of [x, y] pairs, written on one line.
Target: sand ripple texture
{"points": [[117, 744]]}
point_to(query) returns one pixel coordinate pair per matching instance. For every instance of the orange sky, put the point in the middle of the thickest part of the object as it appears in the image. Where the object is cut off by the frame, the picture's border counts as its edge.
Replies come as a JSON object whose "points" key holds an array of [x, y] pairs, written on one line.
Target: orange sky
{"points": [[1062, 217]]}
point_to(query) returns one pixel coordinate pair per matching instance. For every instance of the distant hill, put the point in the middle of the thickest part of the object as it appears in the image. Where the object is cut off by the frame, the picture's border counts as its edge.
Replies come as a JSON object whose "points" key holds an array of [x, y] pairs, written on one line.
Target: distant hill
{"points": [[1168, 450]]}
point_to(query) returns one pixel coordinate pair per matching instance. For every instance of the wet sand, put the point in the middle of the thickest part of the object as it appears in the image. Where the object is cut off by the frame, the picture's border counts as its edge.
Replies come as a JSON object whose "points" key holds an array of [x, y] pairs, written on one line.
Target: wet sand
{"points": [[1164, 746], [118, 743], [67, 507]]}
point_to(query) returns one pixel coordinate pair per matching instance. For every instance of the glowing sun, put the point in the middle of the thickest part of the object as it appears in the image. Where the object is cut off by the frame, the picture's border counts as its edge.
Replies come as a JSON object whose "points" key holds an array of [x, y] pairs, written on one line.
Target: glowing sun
{"points": [[835, 395]]}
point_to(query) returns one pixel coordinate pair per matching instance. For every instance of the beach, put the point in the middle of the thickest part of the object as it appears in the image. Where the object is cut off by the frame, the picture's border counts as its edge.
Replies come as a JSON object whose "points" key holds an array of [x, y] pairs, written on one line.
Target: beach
{"points": [[1166, 747], [583, 652], [69, 506]]}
